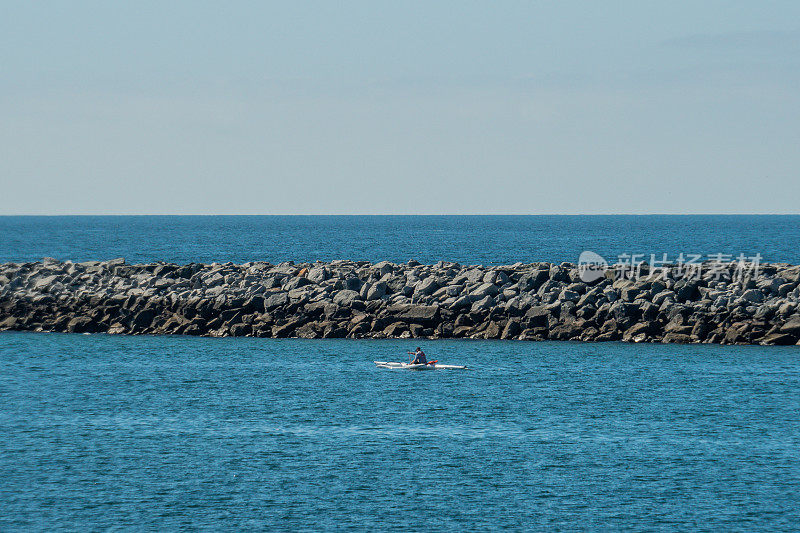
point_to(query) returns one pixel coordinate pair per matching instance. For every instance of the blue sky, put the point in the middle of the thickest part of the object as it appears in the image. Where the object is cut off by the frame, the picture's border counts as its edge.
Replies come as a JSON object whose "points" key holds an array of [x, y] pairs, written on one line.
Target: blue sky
{"points": [[399, 107]]}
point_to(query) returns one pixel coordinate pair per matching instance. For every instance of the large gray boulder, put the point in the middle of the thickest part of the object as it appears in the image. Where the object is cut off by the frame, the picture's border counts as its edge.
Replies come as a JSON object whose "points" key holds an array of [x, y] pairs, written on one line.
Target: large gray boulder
{"points": [[484, 304], [383, 268], [426, 315], [792, 326], [485, 289], [753, 295], [318, 274], [376, 291], [426, 287], [346, 297], [277, 299]]}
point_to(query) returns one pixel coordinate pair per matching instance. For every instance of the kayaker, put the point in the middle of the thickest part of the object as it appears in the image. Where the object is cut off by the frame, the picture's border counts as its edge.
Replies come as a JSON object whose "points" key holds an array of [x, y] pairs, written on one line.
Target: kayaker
{"points": [[419, 358]]}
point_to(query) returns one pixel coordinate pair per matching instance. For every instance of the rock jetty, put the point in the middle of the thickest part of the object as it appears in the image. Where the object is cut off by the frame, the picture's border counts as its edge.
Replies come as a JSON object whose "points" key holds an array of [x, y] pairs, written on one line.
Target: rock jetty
{"points": [[533, 301]]}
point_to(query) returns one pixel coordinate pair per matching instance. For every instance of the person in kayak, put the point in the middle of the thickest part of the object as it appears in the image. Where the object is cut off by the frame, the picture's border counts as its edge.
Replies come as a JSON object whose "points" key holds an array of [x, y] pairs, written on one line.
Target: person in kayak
{"points": [[419, 358]]}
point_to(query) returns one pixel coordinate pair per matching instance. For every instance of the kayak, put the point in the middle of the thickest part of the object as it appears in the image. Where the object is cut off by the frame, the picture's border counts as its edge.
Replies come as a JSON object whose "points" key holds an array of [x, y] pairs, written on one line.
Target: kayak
{"points": [[433, 365]]}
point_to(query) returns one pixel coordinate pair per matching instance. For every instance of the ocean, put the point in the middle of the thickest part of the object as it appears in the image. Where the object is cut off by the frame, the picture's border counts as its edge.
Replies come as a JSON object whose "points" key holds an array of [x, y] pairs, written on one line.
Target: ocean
{"points": [[486, 240], [164, 433]]}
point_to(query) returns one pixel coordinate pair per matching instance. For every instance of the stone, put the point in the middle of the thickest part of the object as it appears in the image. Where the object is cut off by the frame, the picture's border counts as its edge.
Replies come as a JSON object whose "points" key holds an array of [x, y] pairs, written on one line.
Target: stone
{"points": [[534, 280], [426, 315], [485, 289], [353, 284], [791, 326], [483, 305], [781, 339], [512, 329], [278, 299], [416, 330], [687, 292], [537, 317], [318, 274], [376, 291], [285, 330], [426, 287], [346, 297], [569, 296], [462, 302], [383, 268], [143, 319], [566, 330], [81, 324], [637, 330], [753, 295], [395, 329], [492, 331], [677, 338], [629, 294], [319, 299], [295, 283]]}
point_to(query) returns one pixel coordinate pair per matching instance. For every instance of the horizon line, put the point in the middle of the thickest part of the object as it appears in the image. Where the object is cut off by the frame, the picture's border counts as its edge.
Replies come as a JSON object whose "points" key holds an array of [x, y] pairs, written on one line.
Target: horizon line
{"points": [[377, 214]]}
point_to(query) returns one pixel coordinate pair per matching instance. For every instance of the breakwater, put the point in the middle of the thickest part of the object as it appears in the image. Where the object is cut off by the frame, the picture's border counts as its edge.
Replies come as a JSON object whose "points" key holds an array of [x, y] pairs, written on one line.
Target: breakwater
{"points": [[533, 301]]}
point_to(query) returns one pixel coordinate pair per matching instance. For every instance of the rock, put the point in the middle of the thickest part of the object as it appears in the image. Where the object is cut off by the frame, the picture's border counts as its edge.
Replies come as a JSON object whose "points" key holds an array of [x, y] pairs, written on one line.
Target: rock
{"points": [[483, 305], [295, 283], [687, 292], [426, 315], [533, 301], [492, 330], [395, 329], [285, 330], [512, 329], [532, 281], [537, 317], [376, 291], [346, 297], [81, 324], [792, 326], [239, 330], [566, 330], [736, 333], [785, 289], [353, 284], [10, 323], [569, 296], [426, 287], [485, 289], [677, 338], [143, 319], [453, 290], [416, 330], [318, 274], [559, 273], [383, 268], [753, 295], [462, 302], [629, 294], [782, 339], [637, 331], [278, 299]]}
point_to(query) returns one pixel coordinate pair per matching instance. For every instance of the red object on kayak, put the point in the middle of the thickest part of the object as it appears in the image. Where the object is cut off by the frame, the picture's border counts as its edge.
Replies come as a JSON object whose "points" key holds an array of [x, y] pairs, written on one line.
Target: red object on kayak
{"points": [[433, 362]]}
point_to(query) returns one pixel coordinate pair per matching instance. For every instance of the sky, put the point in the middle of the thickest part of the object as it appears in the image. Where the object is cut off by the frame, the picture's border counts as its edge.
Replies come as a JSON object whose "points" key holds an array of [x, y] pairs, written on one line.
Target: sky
{"points": [[402, 107]]}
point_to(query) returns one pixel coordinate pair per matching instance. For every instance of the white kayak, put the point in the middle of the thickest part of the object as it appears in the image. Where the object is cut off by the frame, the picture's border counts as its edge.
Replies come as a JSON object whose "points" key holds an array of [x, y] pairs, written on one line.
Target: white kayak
{"points": [[433, 365]]}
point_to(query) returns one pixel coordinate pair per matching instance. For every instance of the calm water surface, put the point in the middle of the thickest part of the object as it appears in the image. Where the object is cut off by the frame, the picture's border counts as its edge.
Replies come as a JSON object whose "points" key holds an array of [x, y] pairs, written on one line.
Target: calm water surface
{"points": [[465, 239], [166, 432]]}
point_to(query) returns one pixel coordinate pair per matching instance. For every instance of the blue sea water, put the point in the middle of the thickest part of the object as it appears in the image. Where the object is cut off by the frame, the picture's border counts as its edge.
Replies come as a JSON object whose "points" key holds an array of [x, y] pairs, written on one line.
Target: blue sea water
{"points": [[428, 239], [163, 433], [100, 432]]}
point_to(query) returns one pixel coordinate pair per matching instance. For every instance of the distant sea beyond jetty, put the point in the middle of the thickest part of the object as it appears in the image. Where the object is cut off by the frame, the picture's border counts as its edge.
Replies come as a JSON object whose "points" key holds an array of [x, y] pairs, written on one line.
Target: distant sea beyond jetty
{"points": [[482, 240]]}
